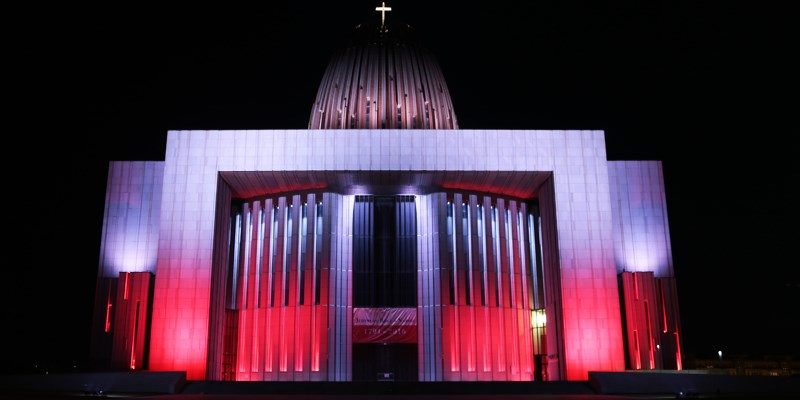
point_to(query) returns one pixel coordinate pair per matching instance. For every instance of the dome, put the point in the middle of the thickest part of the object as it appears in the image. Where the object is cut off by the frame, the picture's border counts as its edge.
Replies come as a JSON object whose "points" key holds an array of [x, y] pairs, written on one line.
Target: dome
{"points": [[383, 80]]}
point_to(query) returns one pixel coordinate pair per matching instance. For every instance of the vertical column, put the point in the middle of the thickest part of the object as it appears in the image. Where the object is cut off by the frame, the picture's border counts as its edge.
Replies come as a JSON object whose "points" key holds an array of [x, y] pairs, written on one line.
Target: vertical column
{"points": [[304, 330], [556, 368], [288, 336], [257, 361], [537, 267], [495, 292], [478, 309], [330, 253], [307, 327], [219, 283], [515, 264], [264, 344], [346, 292], [423, 288], [242, 297], [340, 293], [251, 303], [328, 277], [278, 363], [521, 309], [464, 317], [431, 213], [507, 291], [270, 272], [319, 365], [525, 304], [448, 282], [447, 279]]}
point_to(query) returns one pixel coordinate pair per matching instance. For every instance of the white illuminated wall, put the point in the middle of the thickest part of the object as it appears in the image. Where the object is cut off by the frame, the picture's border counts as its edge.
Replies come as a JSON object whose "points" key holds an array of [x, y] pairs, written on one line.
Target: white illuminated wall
{"points": [[131, 218], [591, 315], [639, 210]]}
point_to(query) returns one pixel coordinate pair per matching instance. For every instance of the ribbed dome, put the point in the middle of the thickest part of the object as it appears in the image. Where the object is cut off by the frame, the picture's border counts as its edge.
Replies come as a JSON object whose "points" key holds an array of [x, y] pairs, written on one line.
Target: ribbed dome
{"points": [[383, 80]]}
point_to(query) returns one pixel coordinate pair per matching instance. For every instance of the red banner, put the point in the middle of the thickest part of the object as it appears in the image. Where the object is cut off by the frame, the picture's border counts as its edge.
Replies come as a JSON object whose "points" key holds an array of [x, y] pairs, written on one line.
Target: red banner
{"points": [[384, 325]]}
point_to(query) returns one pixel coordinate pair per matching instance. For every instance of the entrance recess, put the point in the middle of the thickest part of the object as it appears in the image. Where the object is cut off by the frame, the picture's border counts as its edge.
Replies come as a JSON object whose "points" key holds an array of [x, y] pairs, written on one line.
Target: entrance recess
{"points": [[384, 276]]}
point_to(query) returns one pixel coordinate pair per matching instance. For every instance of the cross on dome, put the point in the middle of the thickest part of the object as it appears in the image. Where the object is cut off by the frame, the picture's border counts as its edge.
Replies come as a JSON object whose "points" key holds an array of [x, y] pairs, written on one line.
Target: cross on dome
{"points": [[383, 9]]}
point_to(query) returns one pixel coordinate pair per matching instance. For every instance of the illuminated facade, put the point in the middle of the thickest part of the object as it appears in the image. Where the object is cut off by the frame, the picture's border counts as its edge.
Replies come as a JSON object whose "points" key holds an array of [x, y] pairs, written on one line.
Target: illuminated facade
{"points": [[384, 243]]}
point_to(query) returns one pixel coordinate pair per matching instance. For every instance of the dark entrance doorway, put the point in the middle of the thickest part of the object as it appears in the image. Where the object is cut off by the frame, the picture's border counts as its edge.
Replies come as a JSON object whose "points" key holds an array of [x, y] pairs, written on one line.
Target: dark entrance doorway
{"points": [[390, 362], [384, 276]]}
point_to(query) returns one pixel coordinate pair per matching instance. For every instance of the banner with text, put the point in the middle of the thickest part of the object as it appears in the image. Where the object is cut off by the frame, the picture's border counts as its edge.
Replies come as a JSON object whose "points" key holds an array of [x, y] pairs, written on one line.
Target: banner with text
{"points": [[384, 325]]}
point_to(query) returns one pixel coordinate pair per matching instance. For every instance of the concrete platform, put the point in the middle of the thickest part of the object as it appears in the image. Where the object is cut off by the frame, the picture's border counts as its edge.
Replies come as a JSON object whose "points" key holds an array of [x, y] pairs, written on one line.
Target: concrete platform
{"points": [[600, 386], [128, 383], [692, 382]]}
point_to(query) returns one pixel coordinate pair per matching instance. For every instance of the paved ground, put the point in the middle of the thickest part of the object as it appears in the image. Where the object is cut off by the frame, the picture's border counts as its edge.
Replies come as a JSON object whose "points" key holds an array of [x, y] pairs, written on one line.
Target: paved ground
{"points": [[9, 396]]}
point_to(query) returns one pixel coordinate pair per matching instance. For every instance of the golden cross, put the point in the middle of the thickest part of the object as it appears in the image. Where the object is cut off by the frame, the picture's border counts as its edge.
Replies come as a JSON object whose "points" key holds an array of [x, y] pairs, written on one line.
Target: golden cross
{"points": [[383, 9]]}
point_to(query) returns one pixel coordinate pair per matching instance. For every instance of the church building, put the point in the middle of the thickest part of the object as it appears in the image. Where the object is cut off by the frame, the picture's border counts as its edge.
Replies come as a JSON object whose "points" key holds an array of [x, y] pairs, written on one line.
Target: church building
{"points": [[385, 243]]}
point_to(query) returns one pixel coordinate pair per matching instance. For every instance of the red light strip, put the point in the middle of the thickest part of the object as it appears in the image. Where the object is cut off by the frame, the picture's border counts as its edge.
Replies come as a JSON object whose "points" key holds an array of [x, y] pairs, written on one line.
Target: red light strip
{"points": [[663, 305], [650, 340], [454, 362], [636, 347], [678, 352], [125, 295], [108, 311], [108, 317], [283, 345], [133, 340], [314, 336]]}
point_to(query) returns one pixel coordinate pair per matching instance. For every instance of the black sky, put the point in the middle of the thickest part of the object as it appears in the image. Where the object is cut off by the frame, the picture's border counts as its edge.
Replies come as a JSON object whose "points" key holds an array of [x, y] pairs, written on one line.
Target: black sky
{"points": [[697, 85]]}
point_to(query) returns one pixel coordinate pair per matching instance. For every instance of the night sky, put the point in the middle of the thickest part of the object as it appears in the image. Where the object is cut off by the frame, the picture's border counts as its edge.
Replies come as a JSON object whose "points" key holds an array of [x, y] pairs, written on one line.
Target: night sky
{"points": [[697, 86]]}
